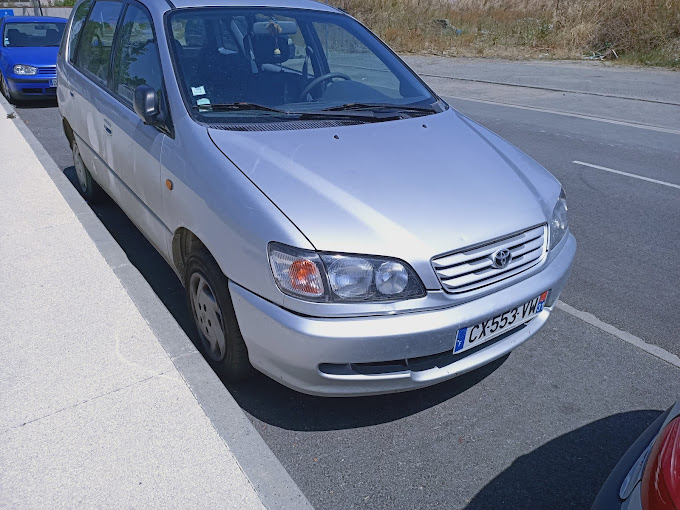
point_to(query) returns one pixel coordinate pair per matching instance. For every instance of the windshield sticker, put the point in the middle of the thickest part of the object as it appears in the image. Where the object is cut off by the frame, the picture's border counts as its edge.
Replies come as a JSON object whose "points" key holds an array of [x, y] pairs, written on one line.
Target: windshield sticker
{"points": [[202, 101], [198, 91]]}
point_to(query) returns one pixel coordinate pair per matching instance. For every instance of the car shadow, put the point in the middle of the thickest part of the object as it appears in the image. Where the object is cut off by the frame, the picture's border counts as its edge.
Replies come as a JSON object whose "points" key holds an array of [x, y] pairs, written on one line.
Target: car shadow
{"points": [[260, 396], [23, 104], [568, 471], [275, 404]]}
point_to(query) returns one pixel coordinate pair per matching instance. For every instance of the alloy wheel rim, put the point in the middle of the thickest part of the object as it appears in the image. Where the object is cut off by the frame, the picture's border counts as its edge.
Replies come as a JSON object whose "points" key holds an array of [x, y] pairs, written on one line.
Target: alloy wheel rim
{"points": [[208, 317]]}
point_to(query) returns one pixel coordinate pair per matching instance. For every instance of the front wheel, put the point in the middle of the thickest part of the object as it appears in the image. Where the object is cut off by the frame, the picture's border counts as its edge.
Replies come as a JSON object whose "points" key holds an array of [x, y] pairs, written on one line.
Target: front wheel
{"points": [[208, 298], [4, 88]]}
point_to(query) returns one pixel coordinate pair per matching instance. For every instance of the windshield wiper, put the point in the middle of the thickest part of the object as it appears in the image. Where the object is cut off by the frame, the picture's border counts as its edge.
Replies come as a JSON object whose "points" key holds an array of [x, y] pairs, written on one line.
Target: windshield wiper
{"points": [[379, 106], [242, 106], [316, 114]]}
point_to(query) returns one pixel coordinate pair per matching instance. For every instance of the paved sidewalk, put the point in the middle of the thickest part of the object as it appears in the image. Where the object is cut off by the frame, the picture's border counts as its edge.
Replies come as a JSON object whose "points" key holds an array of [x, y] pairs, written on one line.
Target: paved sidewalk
{"points": [[93, 411]]}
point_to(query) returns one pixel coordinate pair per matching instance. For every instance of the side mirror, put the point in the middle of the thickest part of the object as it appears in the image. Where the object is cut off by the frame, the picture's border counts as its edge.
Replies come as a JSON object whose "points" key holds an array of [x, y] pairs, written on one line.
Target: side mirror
{"points": [[146, 104]]}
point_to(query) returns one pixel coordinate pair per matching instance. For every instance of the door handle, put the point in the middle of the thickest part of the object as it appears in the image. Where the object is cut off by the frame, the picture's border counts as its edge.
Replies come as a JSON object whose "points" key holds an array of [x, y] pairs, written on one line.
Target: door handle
{"points": [[107, 126]]}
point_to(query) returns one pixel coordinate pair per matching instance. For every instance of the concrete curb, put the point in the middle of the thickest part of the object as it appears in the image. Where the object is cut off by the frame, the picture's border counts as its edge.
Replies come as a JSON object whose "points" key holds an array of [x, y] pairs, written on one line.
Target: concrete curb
{"points": [[274, 486]]}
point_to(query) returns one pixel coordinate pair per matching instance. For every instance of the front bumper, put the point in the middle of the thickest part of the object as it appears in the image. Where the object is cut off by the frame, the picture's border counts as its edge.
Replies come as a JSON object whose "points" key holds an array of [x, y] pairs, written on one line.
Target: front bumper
{"points": [[389, 353], [37, 87]]}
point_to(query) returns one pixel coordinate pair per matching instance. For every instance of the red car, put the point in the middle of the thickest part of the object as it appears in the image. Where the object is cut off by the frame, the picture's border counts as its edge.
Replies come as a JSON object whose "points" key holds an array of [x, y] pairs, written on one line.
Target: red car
{"points": [[648, 475]]}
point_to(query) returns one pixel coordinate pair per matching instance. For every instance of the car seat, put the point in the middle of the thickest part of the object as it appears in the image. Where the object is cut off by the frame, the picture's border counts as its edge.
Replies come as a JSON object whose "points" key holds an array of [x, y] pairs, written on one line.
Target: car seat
{"points": [[13, 37], [52, 37]]}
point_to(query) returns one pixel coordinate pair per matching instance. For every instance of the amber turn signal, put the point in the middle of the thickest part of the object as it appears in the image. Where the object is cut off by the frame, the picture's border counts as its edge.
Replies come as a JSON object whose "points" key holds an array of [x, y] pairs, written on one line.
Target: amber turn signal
{"points": [[304, 277]]}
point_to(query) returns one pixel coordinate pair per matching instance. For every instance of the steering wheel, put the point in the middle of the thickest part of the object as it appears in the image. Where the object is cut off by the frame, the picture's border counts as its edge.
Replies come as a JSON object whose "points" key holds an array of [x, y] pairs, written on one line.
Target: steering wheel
{"points": [[321, 79]]}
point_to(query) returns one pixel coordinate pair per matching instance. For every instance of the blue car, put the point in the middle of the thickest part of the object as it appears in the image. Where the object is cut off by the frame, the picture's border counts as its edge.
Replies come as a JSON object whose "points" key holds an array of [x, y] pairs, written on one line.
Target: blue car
{"points": [[28, 56]]}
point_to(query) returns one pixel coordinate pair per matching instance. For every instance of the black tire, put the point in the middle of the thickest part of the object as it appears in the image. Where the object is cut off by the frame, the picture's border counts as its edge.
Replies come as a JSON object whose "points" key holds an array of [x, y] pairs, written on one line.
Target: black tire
{"points": [[88, 187], [205, 283], [5, 89]]}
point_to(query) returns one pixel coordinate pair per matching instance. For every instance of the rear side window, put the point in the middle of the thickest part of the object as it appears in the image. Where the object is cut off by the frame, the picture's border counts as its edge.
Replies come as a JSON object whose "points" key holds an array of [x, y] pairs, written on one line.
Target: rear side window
{"points": [[76, 28], [94, 48], [135, 61]]}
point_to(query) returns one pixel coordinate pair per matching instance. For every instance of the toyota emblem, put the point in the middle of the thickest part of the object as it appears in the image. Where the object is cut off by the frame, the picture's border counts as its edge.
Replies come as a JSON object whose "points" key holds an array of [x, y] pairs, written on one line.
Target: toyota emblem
{"points": [[501, 258]]}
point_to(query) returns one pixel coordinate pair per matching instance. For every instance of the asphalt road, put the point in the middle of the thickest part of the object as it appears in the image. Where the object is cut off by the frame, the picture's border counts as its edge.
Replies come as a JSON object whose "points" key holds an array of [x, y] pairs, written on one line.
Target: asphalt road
{"points": [[541, 428], [626, 271]]}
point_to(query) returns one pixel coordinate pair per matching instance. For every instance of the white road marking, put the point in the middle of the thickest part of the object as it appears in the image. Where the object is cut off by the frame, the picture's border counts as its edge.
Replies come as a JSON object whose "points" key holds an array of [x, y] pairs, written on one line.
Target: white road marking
{"points": [[551, 89], [654, 350], [567, 114], [655, 181]]}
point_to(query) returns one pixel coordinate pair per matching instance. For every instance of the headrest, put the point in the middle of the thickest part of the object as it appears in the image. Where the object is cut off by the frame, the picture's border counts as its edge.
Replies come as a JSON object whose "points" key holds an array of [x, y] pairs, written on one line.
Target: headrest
{"points": [[194, 32], [53, 36], [13, 36]]}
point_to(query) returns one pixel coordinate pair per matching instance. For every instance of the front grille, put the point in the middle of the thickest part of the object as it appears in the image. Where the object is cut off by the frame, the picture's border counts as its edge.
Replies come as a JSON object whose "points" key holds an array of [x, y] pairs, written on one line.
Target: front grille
{"points": [[472, 268], [47, 70]]}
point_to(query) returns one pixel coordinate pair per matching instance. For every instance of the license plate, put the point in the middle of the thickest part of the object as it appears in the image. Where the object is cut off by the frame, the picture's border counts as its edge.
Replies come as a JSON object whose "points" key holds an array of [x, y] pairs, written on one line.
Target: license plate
{"points": [[471, 336], [53, 82]]}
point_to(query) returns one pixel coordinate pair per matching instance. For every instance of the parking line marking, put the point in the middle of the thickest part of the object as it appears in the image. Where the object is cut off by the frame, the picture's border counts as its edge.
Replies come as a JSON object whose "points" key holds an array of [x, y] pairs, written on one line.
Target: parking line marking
{"points": [[635, 176], [654, 350], [568, 114]]}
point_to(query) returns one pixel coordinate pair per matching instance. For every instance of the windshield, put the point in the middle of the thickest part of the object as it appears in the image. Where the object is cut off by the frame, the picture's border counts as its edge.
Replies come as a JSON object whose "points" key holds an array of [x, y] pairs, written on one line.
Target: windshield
{"points": [[32, 34], [285, 59]]}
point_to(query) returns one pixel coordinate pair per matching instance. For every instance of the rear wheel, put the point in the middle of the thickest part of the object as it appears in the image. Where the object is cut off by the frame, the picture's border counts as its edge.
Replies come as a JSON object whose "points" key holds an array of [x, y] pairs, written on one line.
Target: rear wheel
{"points": [[208, 298], [88, 187]]}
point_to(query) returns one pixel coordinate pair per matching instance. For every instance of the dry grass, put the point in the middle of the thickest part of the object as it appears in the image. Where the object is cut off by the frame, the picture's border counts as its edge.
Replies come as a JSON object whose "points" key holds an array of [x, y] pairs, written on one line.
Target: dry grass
{"points": [[641, 31]]}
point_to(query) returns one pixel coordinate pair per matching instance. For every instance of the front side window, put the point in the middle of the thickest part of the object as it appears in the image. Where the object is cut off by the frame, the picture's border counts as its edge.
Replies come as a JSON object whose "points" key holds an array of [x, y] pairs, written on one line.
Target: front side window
{"points": [[287, 60], [76, 28], [94, 48], [32, 34], [135, 61]]}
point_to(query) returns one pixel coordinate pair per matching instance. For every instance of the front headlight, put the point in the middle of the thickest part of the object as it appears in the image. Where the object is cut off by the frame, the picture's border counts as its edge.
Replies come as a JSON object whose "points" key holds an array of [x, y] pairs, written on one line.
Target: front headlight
{"points": [[338, 278], [25, 70], [559, 224]]}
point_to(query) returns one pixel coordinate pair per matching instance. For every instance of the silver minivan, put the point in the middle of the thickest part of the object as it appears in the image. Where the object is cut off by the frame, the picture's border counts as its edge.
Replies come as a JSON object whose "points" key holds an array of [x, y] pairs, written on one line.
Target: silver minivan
{"points": [[336, 225]]}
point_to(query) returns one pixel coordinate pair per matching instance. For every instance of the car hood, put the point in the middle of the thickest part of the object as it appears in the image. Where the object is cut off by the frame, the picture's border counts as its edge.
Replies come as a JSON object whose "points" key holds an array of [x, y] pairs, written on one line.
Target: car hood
{"points": [[410, 189], [32, 56]]}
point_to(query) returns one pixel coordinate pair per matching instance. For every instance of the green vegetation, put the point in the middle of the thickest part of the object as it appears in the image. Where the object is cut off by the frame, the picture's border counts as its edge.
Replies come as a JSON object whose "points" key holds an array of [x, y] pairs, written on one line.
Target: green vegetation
{"points": [[634, 31]]}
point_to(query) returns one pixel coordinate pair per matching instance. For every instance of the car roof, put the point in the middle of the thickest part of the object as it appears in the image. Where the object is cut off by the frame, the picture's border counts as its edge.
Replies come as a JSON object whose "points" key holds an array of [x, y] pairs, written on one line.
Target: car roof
{"points": [[287, 4], [40, 19]]}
